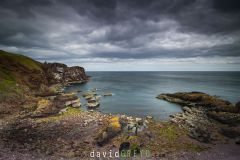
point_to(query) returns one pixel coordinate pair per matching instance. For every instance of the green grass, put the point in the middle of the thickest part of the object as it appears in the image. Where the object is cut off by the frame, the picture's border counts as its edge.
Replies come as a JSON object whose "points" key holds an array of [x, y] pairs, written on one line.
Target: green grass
{"points": [[169, 132], [6, 75], [12, 68], [6, 85], [9, 89], [23, 60]]}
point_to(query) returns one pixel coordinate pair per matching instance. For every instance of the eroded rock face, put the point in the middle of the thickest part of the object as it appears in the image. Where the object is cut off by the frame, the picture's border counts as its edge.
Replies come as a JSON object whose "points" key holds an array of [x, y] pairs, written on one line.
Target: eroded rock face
{"points": [[61, 73]]}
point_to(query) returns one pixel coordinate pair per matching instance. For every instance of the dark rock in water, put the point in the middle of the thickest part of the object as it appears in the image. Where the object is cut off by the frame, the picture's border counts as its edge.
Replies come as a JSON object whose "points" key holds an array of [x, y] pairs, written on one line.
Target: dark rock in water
{"points": [[230, 132], [107, 94], [199, 99], [225, 117], [172, 99], [124, 146], [200, 134]]}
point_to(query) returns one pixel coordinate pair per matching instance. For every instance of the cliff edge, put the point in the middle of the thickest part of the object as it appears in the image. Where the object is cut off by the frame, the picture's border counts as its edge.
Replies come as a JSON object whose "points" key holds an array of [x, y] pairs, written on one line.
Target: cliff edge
{"points": [[18, 72]]}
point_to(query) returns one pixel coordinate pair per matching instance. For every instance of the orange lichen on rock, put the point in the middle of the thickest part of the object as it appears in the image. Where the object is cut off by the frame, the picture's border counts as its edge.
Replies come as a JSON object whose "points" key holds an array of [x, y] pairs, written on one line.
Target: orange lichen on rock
{"points": [[114, 123], [43, 103]]}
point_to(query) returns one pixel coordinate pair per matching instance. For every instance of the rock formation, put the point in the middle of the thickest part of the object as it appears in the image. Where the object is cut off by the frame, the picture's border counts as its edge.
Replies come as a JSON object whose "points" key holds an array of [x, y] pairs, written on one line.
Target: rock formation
{"points": [[61, 73], [204, 115]]}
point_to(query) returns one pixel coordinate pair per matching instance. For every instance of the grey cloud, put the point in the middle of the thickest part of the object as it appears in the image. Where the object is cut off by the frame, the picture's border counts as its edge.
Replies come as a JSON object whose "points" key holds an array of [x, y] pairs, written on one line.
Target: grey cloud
{"points": [[123, 29]]}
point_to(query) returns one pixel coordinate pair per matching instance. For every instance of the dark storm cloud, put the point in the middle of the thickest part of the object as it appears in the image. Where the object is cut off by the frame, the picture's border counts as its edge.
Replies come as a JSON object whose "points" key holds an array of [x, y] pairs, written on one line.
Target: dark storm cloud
{"points": [[227, 5], [134, 29]]}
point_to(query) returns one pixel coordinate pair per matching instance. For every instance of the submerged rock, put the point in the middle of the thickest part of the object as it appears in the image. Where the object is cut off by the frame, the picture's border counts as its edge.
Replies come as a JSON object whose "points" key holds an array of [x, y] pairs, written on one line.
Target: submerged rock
{"points": [[93, 100], [89, 94], [107, 94]]}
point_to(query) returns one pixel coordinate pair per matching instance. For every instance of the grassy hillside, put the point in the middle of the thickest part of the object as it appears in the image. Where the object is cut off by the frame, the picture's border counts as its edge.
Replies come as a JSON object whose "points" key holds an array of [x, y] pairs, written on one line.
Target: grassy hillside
{"points": [[16, 58], [18, 70]]}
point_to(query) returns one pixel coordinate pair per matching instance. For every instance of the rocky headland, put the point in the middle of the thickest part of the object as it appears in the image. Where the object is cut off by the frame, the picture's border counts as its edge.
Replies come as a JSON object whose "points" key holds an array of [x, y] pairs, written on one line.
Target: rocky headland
{"points": [[207, 118], [38, 120]]}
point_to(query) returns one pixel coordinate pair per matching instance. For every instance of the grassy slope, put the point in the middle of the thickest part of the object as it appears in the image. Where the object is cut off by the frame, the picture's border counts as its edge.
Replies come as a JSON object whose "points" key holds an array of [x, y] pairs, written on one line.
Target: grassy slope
{"points": [[9, 75]]}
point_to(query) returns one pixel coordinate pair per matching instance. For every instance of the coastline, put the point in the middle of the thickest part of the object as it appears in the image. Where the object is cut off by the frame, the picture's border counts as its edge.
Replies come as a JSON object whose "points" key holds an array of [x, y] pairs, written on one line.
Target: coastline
{"points": [[180, 137]]}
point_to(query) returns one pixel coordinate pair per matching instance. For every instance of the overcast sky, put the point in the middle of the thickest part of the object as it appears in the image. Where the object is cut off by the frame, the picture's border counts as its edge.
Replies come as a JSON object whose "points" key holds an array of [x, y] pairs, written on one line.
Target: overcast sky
{"points": [[125, 34]]}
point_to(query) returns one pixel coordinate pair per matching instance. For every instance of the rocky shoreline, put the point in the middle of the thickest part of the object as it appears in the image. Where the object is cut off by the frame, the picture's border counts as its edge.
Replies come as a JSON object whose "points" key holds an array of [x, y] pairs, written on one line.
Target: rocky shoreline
{"points": [[206, 117], [57, 127]]}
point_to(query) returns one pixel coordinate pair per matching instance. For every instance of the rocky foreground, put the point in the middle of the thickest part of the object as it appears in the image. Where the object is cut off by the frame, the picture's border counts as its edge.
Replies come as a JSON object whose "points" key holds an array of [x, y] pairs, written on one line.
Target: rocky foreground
{"points": [[56, 127], [207, 119]]}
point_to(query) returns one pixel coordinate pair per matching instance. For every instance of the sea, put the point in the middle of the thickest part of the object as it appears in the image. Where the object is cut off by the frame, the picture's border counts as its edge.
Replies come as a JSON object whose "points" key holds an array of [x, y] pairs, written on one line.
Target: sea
{"points": [[134, 93]]}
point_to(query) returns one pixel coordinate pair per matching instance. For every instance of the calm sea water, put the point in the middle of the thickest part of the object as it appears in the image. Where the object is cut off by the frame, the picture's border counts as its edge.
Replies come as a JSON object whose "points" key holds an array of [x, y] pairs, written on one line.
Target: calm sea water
{"points": [[135, 92]]}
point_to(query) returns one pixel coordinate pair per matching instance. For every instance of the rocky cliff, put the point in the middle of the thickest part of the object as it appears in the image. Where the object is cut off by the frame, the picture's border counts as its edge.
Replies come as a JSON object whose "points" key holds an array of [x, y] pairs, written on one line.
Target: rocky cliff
{"points": [[61, 73], [18, 70]]}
